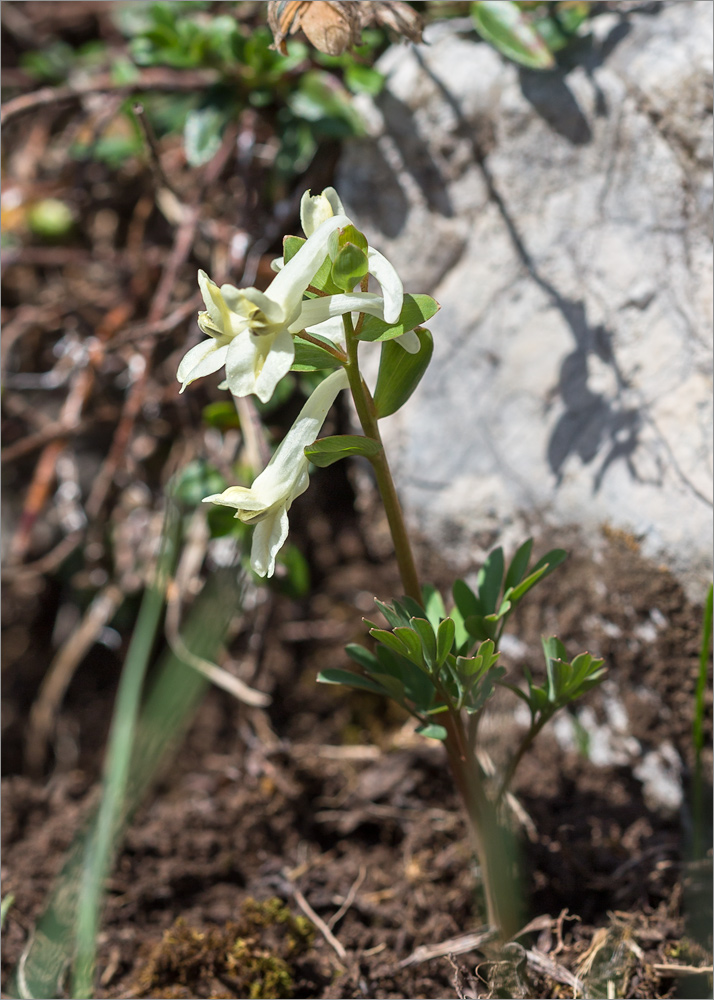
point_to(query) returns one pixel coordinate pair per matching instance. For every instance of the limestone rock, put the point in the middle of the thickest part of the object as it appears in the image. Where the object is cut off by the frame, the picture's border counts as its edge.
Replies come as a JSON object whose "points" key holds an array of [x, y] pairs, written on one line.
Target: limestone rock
{"points": [[563, 221]]}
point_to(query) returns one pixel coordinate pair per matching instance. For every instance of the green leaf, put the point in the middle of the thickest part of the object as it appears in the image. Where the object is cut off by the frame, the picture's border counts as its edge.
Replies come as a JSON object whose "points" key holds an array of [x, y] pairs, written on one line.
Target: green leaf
{"points": [[202, 134], [346, 677], [291, 245], [363, 79], [326, 451], [409, 608], [466, 601], [525, 585], [433, 604], [319, 99], [444, 640], [400, 373], [351, 234], [296, 582], [479, 627], [501, 23], [310, 358], [428, 640], [321, 278], [411, 643], [551, 560], [489, 580], [349, 267], [197, 480], [519, 565], [362, 656], [432, 731], [221, 415], [391, 684], [418, 685], [558, 30], [390, 640], [416, 309], [395, 616]]}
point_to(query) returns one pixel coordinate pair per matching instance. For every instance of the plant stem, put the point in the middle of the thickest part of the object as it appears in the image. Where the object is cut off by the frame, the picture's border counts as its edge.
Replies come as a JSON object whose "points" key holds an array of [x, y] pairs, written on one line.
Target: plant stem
{"points": [[491, 843], [516, 758], [330, 348], [388, 492], [488, 839]]}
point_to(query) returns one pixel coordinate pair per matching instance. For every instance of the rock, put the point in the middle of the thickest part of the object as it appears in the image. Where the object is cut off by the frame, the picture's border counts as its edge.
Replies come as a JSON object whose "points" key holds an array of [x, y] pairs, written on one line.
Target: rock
{"points": [[563, 221]]}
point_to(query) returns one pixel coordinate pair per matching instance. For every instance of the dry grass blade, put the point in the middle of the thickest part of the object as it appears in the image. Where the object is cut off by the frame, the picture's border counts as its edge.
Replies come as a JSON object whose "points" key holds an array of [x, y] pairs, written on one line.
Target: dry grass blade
{"points": [[453, 946], [61, 671]]}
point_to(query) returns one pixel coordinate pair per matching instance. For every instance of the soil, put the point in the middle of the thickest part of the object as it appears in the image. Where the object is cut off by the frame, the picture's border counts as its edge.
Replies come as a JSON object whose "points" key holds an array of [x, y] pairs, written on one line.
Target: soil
{"points": [[331, 793], [315, 848]]}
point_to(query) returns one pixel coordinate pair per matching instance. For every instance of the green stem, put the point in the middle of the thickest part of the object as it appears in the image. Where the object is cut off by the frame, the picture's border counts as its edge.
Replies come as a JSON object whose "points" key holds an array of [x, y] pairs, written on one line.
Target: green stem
{"points": [[516, 759], [330, 348], [491, 843], [489, 840], [368, 420]]}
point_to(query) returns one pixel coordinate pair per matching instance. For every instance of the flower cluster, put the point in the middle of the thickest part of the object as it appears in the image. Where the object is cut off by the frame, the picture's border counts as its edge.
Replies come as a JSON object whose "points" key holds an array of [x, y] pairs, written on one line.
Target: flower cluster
{"points": [[251, 332]]}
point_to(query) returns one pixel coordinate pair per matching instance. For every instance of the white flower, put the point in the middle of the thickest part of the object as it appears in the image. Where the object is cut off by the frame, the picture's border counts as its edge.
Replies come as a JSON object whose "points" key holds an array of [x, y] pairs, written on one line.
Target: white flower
{"points": [[315, 209], [248, 329], [267, 502]]}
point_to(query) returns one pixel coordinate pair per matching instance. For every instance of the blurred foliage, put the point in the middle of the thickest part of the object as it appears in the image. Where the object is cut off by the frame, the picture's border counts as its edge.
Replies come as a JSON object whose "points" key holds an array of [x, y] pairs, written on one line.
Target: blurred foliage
{"points": [[305, 95], [529, 32]]}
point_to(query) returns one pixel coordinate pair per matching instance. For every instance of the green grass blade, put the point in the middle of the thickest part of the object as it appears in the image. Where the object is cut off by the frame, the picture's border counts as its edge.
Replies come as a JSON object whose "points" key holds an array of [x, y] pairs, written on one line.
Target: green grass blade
{"points": [[698, 725], [100, 846], [165, 715]]}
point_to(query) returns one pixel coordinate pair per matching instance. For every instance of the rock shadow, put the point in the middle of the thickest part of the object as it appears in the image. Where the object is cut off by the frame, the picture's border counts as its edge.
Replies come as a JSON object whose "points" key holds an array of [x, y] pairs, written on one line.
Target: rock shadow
{"points": [[593, 425]]}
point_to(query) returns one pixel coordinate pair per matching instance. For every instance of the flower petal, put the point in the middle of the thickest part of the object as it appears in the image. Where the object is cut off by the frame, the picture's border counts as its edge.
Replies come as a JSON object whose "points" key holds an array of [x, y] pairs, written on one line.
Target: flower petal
{"points": [[409, 341], [277, 363], [268, 538], [390, 283], [315, 311], [284, 468], [331, 329], [256, 364], [240, 497], [203, 359], [288, 285], [315, 208], [215, 306]]}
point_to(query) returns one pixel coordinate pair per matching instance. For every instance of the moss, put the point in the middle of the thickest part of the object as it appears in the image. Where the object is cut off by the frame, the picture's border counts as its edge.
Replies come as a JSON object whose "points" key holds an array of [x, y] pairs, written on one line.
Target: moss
{"points": [[249, 957]]}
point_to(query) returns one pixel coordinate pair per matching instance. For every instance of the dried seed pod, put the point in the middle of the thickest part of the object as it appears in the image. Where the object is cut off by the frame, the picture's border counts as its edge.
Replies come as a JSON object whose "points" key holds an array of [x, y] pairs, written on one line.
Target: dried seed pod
{"points": [[395, 15], [332, 26]]}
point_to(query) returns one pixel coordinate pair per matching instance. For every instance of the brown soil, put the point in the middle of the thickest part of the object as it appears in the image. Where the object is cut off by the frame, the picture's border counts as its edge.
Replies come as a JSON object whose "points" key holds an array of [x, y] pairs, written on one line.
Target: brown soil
{"points": [[258, 803]]}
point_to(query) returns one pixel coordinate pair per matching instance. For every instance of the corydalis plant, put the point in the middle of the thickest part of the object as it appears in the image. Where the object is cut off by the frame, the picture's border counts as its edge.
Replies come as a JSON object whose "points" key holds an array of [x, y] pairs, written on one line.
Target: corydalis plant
{"points": [[442, 666]]}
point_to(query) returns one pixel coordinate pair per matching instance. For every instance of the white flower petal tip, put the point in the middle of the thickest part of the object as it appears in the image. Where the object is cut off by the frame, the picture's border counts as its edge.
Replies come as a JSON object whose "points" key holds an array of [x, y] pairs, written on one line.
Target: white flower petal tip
{"points": [[390, 282], [316, 208], [410, 342]]}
